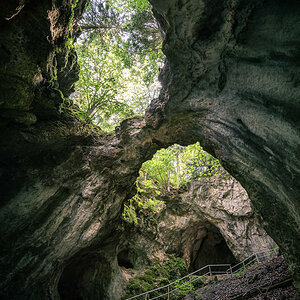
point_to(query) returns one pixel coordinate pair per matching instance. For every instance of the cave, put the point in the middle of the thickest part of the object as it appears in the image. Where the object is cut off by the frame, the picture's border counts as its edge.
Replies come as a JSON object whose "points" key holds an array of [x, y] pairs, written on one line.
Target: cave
{"points": [[232, 84], [86, 277], [123, 259], [212, 249]]}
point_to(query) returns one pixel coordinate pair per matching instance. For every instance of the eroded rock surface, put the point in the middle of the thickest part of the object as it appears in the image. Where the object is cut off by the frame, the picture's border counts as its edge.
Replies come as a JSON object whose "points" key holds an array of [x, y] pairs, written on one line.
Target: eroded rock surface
{"points": [[61, 205], [224, 204], [211, 222], [231, 82]]}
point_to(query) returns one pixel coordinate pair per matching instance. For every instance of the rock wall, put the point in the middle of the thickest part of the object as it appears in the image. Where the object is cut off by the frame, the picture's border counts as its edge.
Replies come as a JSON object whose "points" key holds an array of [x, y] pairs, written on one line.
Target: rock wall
{"points": [[216, 204], [223, 203], [61, 204], [210, 221], [231, 81], [36, 61], [62, 186]]}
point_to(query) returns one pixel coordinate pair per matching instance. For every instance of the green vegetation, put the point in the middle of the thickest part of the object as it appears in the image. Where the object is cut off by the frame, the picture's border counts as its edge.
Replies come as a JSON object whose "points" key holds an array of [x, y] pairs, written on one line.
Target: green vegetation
{"points": [[162, 274], [141, 210], [119, 54], [166, 173], [157, 275], [173, 167]]}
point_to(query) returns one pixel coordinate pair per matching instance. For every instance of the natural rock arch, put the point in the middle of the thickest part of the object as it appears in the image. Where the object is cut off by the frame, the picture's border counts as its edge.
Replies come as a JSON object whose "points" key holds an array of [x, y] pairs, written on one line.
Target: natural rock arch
{"points": [[231, 81]]}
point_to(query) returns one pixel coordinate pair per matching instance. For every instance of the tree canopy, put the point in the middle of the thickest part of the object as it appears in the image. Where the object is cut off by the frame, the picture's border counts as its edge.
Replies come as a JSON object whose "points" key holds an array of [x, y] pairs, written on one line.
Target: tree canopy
{"points": [[175, 166], [119, 54]]}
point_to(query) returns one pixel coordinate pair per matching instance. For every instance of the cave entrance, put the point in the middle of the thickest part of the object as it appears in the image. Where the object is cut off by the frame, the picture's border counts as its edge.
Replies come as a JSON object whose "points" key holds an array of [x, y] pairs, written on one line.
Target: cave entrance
{"points": [[161, 184], [123, 259], [210, 249], [117, 82], [86, 277], [166, 174]]}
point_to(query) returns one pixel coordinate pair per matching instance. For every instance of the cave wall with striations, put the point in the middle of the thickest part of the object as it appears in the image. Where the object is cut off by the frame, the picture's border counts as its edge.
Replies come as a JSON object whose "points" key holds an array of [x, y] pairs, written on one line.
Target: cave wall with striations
{"points": [[231, 81], [61, 185]]}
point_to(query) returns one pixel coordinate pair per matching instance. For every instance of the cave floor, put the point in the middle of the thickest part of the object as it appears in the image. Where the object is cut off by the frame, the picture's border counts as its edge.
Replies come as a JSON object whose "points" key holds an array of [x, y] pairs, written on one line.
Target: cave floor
{"points": [[269, 281]]}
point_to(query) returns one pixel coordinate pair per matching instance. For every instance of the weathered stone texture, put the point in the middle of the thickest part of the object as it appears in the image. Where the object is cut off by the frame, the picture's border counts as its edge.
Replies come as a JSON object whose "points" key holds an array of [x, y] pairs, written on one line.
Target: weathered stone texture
{"points": [[231, 81], [216, 204]]}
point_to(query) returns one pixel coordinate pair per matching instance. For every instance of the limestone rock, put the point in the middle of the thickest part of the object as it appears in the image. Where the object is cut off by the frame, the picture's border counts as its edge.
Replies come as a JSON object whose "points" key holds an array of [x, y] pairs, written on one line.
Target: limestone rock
{"points": [[231, 81], [216, 208]]}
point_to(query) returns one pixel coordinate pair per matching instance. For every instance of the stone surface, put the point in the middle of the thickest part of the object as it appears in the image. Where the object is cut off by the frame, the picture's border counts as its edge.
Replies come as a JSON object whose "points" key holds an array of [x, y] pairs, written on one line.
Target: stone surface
{"points": [[231, 81], [61, 202], [35, 60], [223, 203], [212, 213], [210, 221]]}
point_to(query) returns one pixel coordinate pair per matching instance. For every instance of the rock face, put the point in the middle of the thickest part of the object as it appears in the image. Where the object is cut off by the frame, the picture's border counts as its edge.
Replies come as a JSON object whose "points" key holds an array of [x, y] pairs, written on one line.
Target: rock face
{"points": [[211, 222], [60, 207], [36, 62], [231, 81], [223, 206]]}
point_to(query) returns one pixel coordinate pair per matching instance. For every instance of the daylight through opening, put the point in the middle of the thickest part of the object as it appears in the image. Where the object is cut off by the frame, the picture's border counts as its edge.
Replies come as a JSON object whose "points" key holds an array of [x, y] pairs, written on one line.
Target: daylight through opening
{"points": [[119, 54]]}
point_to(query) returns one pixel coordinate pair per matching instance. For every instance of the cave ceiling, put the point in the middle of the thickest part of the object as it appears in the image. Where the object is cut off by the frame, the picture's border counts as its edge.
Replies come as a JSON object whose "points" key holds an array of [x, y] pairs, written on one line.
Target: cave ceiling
{"points": [[231, 81]]}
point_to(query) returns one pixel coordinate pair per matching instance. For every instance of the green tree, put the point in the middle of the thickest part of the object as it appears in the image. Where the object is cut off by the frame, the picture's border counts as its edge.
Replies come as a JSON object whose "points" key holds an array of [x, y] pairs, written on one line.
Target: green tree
{"points": [[198, 164], [159, 170], [119, 54], [177, 165]]}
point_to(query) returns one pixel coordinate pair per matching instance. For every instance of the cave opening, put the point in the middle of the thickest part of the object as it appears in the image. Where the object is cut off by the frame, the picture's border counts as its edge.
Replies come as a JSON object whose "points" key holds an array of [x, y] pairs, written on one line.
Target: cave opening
{"points": [[170, 175], [238, 93], [211, 248], [85, 277], [120, 56], [123, 259], [167, 174]]}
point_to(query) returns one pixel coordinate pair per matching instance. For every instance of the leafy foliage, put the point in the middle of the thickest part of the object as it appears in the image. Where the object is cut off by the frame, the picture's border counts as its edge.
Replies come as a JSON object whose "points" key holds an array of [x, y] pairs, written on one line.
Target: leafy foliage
{"points": [[157, 275], [119, 54], [162, 274], [168, 170], [142, 209], [173, 167]]}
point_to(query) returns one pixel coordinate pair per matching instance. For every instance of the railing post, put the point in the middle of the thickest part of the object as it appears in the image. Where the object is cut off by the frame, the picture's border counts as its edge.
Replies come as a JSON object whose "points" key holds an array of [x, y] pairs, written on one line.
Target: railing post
{"points": [[259, 257]]}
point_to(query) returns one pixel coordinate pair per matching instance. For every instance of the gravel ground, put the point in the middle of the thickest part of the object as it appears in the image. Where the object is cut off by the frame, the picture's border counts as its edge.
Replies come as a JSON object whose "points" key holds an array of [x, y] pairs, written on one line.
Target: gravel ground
{"points": [[268, 281]]}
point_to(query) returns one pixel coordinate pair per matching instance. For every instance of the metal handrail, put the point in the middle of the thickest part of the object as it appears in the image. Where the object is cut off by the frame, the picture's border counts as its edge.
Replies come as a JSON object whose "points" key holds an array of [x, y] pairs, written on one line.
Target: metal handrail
{"points": [[256, 257]]}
